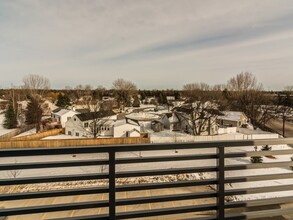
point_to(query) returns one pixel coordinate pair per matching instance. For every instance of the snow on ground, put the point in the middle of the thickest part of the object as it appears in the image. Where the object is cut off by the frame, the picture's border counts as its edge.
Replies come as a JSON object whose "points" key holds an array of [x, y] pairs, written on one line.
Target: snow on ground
{"points": [[168, 133], [29, 132], [263, 171], [169, 165]]}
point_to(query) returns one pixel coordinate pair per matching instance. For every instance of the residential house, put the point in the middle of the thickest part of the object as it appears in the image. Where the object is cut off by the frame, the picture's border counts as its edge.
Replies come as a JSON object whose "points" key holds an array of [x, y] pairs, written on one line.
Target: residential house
{"points": [[196, 120], [170, 98], [84, 124], [232, 119], [150, 100], [61, 116], [149, 121], [157, 126], [126, 128], [48, 107], [178, 102], [108, 125]]}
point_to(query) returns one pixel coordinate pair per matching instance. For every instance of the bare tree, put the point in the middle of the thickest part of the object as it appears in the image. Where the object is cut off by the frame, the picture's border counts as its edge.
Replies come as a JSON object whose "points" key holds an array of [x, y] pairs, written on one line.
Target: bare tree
{"points": [[198, 117], [35, 87], [123, 90], [99, 92], [244, 82], [285, 105], [245, 93], [35, 84], [14, 173], [201, 109], [79, 91]]}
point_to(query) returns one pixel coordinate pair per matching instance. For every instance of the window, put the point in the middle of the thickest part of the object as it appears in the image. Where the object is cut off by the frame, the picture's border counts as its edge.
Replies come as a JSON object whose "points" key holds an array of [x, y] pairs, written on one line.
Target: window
{"points": [[68, 118], [108, 129], [74, 119], [69, 132], [86, 125], [77, 134]]}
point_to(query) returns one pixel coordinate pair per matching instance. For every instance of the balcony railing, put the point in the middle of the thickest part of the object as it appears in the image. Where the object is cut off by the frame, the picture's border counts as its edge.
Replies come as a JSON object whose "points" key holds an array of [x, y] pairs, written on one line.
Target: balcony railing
{"points": [[190, 154]]}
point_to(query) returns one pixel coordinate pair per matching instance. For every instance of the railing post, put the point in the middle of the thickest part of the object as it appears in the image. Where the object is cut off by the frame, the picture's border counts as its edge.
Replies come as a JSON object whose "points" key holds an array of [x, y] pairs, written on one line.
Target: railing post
{"points": [[221, 183], [112, 187]]}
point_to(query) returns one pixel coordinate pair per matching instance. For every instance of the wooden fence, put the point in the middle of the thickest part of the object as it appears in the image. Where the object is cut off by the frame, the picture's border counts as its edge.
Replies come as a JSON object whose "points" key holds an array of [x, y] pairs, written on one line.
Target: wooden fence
{"points": [[72, 142], [39, 136], [16, 131]]}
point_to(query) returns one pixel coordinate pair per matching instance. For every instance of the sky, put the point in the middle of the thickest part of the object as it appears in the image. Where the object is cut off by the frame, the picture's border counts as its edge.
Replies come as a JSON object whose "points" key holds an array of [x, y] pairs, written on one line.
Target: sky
{"points": [[156, 44]]}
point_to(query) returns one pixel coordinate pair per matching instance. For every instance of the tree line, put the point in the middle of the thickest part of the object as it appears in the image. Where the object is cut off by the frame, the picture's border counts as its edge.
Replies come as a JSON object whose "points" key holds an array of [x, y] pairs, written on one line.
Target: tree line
{"points": [[242, 92]]}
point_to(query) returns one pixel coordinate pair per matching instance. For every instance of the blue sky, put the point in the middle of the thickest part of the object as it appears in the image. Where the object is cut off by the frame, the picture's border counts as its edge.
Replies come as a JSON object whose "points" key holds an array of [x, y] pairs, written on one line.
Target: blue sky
{"points": [[154, 43]]}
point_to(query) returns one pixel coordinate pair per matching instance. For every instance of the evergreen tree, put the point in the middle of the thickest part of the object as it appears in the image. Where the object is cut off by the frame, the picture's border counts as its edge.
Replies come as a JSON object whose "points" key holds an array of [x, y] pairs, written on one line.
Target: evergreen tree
{"points": [[34, 112], [10, 120], [63, 100], [136, 102]]}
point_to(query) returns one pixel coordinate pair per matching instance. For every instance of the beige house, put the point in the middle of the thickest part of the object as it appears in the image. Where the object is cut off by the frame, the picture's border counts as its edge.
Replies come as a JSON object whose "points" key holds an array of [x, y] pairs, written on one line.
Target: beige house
{"points": [[232, 119]]}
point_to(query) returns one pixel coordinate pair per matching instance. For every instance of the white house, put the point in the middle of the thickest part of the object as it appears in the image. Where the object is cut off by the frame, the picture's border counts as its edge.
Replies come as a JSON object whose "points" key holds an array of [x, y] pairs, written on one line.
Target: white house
{"points": [[83, 125], [108, 126], [126, 128], [146, 120], [61, 116], [170, 98]]}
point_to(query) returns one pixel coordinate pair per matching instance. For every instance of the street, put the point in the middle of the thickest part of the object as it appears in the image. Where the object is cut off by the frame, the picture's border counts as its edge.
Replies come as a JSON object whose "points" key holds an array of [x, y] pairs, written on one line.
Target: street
{"points": [[277, 125]]}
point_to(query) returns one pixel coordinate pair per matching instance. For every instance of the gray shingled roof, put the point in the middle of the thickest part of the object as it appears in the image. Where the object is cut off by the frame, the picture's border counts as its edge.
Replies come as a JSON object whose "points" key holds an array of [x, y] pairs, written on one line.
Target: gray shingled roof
{"points": [[95, 115]]}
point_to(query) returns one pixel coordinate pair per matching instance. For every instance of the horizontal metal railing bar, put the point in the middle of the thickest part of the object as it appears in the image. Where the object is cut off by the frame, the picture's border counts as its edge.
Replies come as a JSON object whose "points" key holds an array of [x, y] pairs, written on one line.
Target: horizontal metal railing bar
{"points": [[263, 189], [151, 186], [240, 179], [53, 208], [148, 213], [50, 179], [52, 164], [165, 158], [165, 198], [105, 203], [244, 215], [259, 214], [140, 147], [53, 193], [259, 202], [132, 201], [258, 165], [259, 153], [135, 160], [166, 211], [159, 172], [202, 218]]}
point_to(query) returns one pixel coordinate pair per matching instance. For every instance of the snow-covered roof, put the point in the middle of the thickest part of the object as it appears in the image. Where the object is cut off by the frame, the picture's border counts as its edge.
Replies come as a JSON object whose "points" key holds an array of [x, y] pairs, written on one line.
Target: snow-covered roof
{"points": [[142, 116], [231, 115], [124, 121], [64, 111]]}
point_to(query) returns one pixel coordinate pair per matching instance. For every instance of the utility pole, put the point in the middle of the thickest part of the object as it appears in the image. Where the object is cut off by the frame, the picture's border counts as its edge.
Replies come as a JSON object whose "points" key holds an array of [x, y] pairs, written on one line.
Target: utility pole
{"points": [[284, 120]]}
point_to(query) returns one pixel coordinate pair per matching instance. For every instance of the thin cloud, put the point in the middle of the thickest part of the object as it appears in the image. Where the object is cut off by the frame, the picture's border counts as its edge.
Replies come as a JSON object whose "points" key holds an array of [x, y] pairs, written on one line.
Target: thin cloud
{"points": [[74, 42]]}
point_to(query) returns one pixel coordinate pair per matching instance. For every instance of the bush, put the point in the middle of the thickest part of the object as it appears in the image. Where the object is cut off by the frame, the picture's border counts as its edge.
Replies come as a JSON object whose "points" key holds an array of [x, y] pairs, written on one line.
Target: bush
{"points": [[266, 148], [256, 159]]}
